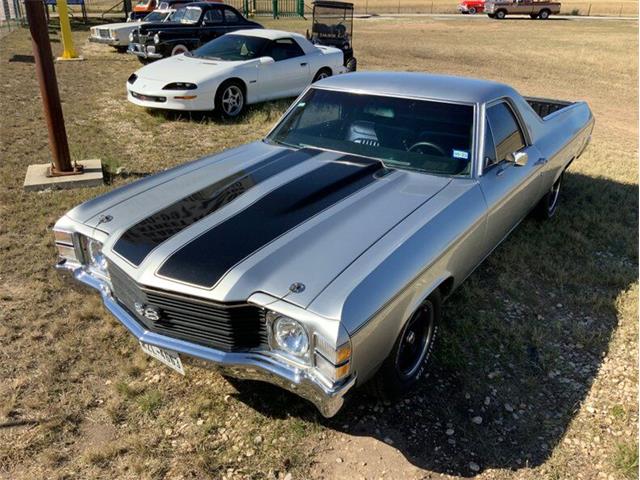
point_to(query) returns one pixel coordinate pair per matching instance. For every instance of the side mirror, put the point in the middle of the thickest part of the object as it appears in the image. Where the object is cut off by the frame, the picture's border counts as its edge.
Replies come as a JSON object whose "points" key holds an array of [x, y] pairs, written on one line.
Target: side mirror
{"points": [[266, 60], [518, 158]]}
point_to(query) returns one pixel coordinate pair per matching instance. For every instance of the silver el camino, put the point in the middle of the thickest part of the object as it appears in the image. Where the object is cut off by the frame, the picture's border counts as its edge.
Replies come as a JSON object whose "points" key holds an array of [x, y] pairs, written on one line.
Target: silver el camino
{"points": [[318, 258]]}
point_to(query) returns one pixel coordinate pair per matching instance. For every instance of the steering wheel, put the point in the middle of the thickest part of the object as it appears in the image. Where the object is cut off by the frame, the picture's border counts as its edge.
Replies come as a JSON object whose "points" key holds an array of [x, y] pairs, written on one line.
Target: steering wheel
{"points": [[430, 145]]}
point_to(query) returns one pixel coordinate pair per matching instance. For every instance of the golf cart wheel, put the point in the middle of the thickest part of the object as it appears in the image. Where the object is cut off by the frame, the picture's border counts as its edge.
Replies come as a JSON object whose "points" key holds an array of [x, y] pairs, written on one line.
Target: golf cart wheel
{"points": [[352, 65], [178, 49], [472, 11], [544, 14], [230, 99], [408, 360], [500, 14], [322, 74]]}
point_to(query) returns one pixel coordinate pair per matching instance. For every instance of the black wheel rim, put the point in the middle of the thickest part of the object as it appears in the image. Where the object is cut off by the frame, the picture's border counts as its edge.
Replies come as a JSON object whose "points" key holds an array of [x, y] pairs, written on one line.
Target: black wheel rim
{"points": [[415, 341]]}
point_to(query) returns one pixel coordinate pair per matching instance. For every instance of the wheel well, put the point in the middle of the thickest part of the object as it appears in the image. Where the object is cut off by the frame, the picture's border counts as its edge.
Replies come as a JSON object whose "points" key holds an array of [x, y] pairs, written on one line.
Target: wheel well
{"points": [[446, 287], [501, 10], [234, 80], [324, 68]]}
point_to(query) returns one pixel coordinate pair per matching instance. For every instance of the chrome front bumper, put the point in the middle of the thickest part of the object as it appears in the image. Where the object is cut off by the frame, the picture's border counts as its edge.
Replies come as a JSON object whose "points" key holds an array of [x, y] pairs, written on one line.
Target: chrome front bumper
{"points": [[141, 51], [104, 40], [261, 366]]}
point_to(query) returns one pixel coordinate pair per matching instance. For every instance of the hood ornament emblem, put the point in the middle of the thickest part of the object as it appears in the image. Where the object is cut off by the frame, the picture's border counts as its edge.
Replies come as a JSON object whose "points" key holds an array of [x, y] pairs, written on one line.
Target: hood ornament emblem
{"points": [[297, 287]]}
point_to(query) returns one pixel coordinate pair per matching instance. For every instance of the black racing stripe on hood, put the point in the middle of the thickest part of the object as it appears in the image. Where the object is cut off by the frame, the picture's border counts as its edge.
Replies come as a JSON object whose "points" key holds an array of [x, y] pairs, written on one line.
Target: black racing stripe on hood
{"points": [[206, 259], [138, 241]]}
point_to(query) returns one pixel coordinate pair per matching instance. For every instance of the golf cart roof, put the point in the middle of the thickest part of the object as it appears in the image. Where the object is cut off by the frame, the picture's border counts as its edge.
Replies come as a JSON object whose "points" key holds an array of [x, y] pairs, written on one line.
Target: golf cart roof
{"points": [[333, 4]]}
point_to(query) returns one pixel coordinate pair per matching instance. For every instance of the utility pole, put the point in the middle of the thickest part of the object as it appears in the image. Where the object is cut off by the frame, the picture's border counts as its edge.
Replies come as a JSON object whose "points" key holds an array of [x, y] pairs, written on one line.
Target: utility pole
{"points": [[48, 88]]}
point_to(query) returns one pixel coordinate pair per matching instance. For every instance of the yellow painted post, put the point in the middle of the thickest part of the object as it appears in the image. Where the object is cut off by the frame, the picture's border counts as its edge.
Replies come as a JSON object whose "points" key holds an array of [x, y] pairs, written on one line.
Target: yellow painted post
{"points": [[68, 52]]}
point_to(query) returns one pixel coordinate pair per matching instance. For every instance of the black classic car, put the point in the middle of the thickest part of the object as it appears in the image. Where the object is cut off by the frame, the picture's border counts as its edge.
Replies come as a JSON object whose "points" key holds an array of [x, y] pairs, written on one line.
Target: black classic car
{"points": [[190, 27]]}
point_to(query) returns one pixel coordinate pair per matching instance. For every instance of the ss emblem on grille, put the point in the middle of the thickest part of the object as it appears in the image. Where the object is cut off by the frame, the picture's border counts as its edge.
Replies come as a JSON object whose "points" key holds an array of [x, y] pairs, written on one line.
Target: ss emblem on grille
{"points": [[148, 311]]}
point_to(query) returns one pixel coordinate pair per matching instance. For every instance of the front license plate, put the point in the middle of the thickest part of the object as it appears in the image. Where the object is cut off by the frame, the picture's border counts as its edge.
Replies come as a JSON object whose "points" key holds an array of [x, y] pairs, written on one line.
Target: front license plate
{"points": [[169, 358]]}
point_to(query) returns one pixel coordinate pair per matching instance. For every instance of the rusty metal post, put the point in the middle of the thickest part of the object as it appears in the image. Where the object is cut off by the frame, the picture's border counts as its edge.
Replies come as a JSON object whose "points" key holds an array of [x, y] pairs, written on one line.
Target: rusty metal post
{"points": [[49, 89]]}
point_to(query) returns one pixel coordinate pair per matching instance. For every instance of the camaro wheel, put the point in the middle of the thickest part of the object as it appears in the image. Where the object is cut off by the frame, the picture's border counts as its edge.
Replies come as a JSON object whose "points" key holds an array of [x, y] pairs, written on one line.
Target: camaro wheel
{"points": [[230, 99], [543, 15], [178, 49], [407, 362], [322, 73], [548, 205]]}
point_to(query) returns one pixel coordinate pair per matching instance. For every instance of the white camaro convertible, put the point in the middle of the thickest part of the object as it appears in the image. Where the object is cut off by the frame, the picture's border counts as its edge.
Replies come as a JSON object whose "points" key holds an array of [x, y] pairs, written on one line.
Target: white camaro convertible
{"points": [[234, 70]]}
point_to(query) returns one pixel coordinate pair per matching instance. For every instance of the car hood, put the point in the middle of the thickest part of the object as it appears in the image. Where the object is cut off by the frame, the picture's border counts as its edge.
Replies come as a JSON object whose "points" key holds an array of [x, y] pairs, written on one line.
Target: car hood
{"points": [[182, 68], [256, 219], [117, 26]]}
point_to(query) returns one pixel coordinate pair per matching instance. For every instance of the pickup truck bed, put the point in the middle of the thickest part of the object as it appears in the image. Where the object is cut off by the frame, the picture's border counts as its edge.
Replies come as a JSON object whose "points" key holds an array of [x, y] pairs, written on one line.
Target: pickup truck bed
{"points": [[545, 107]]}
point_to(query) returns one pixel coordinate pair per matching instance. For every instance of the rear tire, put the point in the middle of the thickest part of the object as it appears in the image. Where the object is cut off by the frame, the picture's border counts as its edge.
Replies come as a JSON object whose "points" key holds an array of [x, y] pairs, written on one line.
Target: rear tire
{"points": [[548, 204], [472, 11], [230, 99], [322, 74], [500, 14], [407, 362], [544, 14]]}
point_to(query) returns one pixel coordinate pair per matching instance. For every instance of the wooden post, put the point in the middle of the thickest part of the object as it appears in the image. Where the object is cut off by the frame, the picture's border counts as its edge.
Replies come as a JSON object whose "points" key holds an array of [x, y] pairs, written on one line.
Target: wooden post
{"points": [[49, 88]]}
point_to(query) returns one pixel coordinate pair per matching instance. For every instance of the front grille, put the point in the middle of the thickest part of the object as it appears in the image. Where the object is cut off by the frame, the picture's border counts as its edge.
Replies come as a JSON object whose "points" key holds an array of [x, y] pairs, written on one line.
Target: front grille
{"points": [[148, 98], [229, 326]]}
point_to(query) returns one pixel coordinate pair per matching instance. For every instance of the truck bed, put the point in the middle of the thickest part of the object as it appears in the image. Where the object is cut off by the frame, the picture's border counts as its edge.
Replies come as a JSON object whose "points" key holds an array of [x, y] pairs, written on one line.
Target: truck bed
{"points": [[545, 106]]}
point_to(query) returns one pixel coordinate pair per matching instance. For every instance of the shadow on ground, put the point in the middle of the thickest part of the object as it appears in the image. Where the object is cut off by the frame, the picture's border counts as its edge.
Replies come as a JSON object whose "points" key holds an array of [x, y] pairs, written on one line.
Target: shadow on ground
{"points": [[521, 344]]}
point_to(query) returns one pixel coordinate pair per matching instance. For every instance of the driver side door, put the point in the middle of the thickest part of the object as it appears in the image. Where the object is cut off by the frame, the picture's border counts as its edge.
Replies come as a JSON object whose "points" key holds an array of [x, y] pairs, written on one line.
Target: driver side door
{"points": [[288, 75], [510, 190], [212, 25]]}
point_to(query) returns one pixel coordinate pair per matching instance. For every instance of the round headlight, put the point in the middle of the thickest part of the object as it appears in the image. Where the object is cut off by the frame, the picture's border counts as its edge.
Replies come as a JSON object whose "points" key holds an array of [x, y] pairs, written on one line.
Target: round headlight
{"points": [[96, 257], [156, 38], [290, 336]]}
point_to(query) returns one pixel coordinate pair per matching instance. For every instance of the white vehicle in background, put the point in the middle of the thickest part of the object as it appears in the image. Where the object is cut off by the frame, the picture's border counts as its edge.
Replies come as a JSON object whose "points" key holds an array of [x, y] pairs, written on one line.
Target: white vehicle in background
{"points": [[234, 70], [116, 35]]}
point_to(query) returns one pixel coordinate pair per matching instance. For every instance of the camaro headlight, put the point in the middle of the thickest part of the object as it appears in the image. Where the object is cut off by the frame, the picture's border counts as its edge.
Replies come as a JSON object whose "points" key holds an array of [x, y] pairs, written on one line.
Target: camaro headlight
{"points": [[290, 336], [156, 38], [180, 86]]}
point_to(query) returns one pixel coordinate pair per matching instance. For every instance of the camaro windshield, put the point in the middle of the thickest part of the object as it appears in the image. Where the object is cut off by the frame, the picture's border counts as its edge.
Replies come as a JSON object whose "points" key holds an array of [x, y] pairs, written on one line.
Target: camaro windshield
{"points": [[232, 47], [420, 135]]}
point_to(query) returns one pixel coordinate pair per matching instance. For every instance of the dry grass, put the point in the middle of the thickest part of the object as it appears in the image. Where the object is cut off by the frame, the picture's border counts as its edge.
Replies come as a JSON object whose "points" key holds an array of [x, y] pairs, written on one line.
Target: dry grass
{"points": [[78, 399]]}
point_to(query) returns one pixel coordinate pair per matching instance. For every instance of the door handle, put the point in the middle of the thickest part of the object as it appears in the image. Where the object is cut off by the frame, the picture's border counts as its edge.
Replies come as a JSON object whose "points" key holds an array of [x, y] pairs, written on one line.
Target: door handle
{"points": [[541, 161], [303, 64]]}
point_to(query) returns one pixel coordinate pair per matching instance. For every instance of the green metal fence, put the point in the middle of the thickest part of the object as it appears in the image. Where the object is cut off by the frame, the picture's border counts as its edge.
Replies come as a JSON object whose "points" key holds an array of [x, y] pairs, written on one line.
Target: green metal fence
{"points": [[275, 8]]}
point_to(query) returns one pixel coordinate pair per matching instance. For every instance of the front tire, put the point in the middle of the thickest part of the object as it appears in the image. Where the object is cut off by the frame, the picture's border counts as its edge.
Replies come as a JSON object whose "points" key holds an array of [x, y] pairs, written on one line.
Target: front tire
{"points": [[407, 362], [230, 99], [548, 205]]}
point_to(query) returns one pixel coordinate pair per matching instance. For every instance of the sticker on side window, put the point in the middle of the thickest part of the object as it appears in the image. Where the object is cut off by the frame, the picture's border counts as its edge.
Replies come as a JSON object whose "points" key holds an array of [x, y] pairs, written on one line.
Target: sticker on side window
{"points": [[460, 154]]}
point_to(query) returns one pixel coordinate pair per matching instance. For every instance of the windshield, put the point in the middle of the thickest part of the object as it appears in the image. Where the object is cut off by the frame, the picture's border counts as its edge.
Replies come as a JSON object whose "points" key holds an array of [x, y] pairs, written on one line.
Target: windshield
{"points": [[420, 135], [156, 16], [186, 15], [232, 47]]}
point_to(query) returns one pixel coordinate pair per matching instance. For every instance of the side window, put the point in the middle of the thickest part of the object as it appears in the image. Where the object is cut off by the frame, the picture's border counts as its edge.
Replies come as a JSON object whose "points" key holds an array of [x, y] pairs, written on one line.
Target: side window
{"points": [[230, 16], [213, 17], [507, 135], [489, 147], [284, 48]]}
